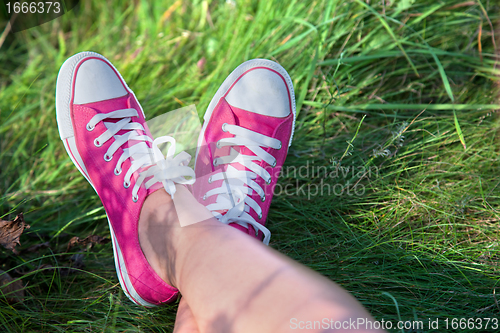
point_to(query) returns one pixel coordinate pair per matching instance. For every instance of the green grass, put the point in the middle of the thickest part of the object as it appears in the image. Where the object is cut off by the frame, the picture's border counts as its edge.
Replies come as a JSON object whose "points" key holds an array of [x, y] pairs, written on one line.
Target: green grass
{"points": [[421, 240]]}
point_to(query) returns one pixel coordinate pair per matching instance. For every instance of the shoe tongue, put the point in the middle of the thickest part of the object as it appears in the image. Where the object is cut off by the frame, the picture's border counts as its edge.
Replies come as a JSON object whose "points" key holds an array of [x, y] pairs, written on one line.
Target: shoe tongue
{"points": [[258, 123], [120, 103], [253, 121], [261, 124], [109, 105]]}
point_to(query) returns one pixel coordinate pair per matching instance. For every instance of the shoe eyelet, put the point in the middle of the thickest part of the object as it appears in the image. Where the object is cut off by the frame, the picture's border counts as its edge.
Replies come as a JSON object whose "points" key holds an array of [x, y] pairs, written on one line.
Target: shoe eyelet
{"points": [[135, 198], [279, 146], [269, 181], [217, 144], [108, 158], [97, 143], [224, 127], [215, 163], [210, 180], [126, 185], [263, 198], [118, 172], [90, 128], [260, 216], [204, 197], [274, 164]]}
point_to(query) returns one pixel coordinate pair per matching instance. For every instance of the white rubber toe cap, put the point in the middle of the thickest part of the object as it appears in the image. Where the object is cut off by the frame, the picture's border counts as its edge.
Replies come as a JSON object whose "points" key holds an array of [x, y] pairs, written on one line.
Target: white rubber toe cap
{"points": [[261, 91], [96, 81]]}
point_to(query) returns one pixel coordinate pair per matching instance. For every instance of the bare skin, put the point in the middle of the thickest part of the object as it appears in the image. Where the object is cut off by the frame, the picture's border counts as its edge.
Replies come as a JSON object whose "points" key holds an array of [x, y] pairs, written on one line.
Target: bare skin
{"points": [[229, 281]]}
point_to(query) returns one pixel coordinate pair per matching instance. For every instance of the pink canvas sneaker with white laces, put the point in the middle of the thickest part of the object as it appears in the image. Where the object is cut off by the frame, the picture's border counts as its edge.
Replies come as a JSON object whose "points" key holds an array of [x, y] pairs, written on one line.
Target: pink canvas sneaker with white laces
{"points": [[243, 144], [104, 131]]}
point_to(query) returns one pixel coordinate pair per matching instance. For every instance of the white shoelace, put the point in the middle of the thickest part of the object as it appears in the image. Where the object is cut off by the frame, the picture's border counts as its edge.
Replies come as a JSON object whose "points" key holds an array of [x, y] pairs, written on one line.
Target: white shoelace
{"points": [[167, 170], [234, 194]]}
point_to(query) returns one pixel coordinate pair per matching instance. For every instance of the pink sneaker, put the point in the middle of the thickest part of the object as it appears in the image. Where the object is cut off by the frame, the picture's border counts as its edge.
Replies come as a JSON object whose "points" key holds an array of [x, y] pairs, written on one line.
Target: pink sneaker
{"points": [[243, 144], [104, 131]]}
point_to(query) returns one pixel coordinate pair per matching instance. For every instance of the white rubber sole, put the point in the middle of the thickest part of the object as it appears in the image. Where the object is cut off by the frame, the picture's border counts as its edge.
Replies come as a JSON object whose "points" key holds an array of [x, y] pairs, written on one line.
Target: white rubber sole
{"points": [[63, 100], [228, 82]]}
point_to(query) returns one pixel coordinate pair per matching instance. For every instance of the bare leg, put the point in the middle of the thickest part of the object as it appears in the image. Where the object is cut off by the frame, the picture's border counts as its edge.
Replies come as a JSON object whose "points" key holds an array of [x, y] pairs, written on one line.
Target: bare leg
{"points": [[185, 321], [232, 282]]}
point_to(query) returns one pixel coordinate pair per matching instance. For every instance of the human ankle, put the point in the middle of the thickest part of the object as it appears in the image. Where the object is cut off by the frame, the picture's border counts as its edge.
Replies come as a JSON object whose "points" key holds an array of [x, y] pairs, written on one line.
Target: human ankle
{"points": [[158, 232]]}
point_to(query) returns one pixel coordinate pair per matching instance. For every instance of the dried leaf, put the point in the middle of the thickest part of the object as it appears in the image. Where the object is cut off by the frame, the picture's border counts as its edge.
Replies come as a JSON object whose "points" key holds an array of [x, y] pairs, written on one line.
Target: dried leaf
{"points": [[92, 239], [10, 231], [11, 290]]}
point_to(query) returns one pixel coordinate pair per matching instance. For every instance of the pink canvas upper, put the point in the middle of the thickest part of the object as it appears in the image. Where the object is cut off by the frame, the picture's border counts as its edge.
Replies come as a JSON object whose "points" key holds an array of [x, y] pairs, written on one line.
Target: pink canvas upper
{"points": [[279, 128], [122, 211]]}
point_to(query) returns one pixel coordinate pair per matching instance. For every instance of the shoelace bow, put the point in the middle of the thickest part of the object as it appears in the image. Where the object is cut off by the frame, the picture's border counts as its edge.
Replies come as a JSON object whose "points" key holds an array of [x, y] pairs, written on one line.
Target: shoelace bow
{"points": [[167, 170], [238, 185]]}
